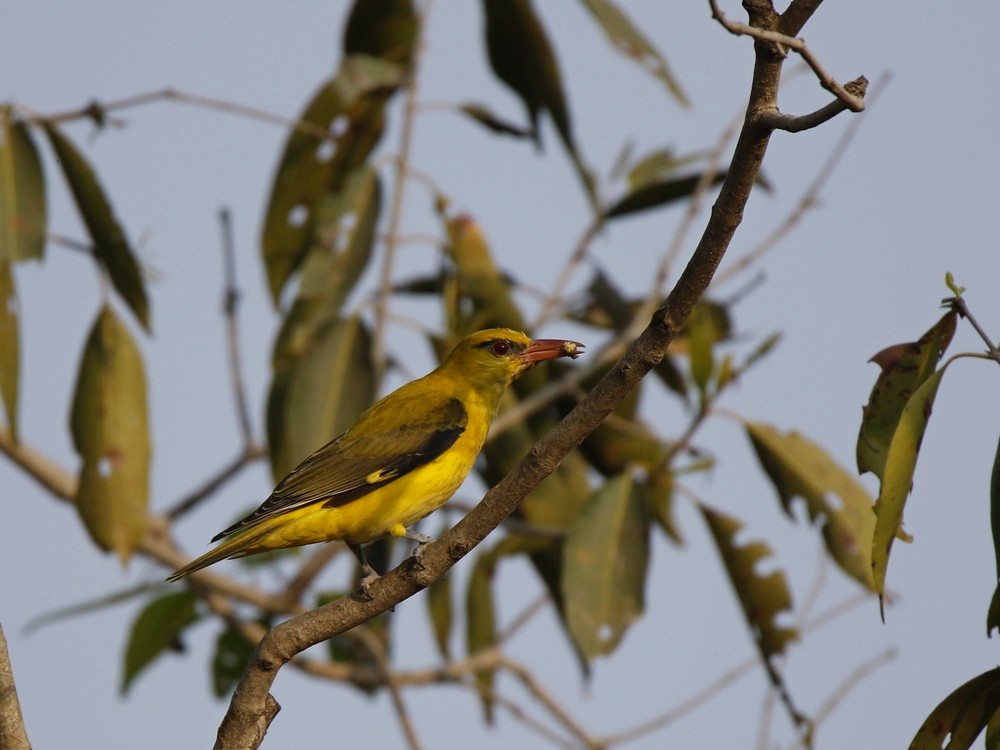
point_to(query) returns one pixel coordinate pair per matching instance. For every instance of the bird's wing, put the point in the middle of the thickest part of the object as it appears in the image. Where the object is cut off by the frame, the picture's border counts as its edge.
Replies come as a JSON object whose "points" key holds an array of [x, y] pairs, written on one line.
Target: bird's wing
{"points": [[393, 438]]}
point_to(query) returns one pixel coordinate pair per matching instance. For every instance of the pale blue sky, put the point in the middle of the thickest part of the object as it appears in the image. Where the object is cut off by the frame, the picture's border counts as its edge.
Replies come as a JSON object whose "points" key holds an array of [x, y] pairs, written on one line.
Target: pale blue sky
{"points": [[915, 196]]}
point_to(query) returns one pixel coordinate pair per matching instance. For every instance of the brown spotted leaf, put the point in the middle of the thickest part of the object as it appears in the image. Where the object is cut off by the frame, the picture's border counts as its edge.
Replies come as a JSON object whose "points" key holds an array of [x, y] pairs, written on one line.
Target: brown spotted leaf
{"points": [[798, 467], [110, 427], [762, 598], [961, 717], [904, 368], [22, 192]]}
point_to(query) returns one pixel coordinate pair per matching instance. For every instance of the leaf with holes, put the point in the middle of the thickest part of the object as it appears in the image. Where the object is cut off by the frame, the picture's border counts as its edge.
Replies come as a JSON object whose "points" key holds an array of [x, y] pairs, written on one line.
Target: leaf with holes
{"points": [[605, 559], [322, 382], [110, 428], [349, 107], [763, 598], [631, 42], [905, 367], [961, 717], [157, 629], [799, 467], [10, 348], [111, 248], [22, 192], [897, 481]]}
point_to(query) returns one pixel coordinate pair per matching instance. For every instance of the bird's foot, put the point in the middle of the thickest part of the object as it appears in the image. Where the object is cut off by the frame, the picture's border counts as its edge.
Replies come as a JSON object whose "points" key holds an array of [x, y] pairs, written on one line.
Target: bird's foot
{"points": [[422, 541], [370, 576]]}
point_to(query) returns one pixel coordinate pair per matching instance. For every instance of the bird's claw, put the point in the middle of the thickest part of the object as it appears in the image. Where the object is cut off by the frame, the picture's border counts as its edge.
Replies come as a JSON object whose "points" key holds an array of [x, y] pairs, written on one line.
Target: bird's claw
{"points": [[369, 578]]}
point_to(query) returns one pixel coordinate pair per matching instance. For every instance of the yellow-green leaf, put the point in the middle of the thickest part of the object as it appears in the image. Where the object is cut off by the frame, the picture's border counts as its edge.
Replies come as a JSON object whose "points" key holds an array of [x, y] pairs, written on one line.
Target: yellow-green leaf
{"points": [[349, 107], [798, 467], [904, 368], [961, 717], [110, 428], [10, 347], [382, 28], [322, 382], [22, 192], [657, 194], [763, 598], [441, 613], [631, 42], [897, 481], [111, 248], [157, 628], [605, 558]]}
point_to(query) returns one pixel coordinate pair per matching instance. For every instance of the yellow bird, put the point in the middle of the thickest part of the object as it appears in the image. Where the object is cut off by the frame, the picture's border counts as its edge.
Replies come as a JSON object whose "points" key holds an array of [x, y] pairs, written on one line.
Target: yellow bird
{"points": [[401, 460]]}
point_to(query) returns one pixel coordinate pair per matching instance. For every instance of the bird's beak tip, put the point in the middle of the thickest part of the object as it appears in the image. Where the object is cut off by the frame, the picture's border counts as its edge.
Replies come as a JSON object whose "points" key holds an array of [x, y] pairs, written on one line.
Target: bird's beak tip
{"points": [[542, 349]]}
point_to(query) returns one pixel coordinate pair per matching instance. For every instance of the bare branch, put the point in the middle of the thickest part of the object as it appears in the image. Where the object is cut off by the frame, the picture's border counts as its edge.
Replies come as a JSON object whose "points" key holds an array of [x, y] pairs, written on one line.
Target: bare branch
{"points": [[851, 99], [58, 481], [13, 735]]}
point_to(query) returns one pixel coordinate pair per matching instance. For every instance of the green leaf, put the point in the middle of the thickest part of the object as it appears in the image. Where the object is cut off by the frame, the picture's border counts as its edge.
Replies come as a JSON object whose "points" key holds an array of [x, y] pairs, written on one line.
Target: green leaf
{"points": [[157, 628], [488, 119], [110, 428], [382, 28], [111, 248], [22, 192], [322, 382], [350, 106], [658, 193], [94, 605], [961, 717], [481, 630], [232, 652], [993, 617], [10, 348], [605, 559], [522, 57], [701, 338], [897, 481], [441, 613], [904, 368], [799, 467], [763, 598], [658, 493], [631, 42]]}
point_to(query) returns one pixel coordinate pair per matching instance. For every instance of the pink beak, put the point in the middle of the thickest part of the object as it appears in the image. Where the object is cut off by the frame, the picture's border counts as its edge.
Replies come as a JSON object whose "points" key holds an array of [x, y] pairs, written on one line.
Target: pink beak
{"points": [[542, 349]]}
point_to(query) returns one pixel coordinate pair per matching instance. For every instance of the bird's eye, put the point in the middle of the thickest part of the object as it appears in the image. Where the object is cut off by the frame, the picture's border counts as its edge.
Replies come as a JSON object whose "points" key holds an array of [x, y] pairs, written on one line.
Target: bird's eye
{"points": [[500, 348]]}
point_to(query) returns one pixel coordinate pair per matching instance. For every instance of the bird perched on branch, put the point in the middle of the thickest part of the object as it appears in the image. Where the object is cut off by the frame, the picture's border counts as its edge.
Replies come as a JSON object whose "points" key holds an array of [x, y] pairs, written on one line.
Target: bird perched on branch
{"points": [[401, 460]]}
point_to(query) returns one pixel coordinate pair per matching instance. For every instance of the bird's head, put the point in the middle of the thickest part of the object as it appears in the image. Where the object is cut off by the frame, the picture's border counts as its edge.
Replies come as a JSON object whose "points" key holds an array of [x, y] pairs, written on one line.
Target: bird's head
{"points": [[499, 355]]}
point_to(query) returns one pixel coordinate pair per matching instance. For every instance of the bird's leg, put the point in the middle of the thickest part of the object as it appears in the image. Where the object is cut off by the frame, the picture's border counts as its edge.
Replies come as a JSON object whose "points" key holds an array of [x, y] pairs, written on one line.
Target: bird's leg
{"points": [[369, 575], [422, 540]]}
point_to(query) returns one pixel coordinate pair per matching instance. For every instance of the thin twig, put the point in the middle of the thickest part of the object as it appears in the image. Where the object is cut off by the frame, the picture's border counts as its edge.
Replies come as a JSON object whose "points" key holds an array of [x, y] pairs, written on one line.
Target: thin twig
{"points": [[850, 99], [210, 486], [230, 305], [554, 298], [958, 303], [307, 573]]}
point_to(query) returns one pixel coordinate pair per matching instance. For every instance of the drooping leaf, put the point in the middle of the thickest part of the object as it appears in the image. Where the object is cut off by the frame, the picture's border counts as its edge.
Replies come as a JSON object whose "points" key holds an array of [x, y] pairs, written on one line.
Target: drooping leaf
{"points": [[993, 616], [701, 340], [658, 493], [631, 42], [350, 106], [961, 717], [94, 605], [605, 559], [494, 122], [157, 628], [110, 428], [10, 348], [799, 467], [480, 624], [522, 57], [905, 367], [441, 613], [382, 28], [22, 192], [763, 598], [111, 248], [897, 481], [322, 382], [656, 194], [232, 652]]}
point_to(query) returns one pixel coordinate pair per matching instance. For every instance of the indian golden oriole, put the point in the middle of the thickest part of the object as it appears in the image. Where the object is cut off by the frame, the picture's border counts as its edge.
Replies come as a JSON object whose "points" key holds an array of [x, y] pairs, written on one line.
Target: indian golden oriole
{"points": [[401, 460]]}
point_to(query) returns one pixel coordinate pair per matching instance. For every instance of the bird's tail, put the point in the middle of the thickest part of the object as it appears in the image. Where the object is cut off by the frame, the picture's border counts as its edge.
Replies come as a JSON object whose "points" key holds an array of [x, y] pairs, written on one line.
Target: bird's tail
{"points": [[236, 546]]}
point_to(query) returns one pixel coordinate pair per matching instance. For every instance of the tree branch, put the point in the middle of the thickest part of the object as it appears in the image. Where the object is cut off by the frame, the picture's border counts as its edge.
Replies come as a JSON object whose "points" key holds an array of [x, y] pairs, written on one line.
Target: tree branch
{"points": [[13, 735]]}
